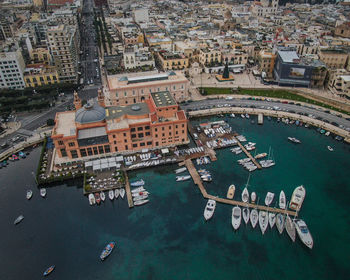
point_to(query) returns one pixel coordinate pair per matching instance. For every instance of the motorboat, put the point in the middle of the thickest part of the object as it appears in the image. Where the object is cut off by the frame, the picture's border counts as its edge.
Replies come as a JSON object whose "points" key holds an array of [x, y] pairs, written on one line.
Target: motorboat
{"points": [[209, 209], [245, 195], [107, 250], [282, 200], [102, 196], [140, 202], [253, 197], [139, 193], [116, 193], [206, 178], [138, 183], [245, 214], [304, 233], [111, 194], [269, 198], [97, 198], [330, 148], [236, 217], [294, 140], [140, 189], [297, 198], [254, 217], [18, 219], [182, 178], [263, 221], [280, 220], [180, 170], [29, 194], [272, 219], [92, 200], [43, 192], [231, 192], [242, 116], [290, 228], [122, 192], [140, 197], [259, 156], [49, 270]]}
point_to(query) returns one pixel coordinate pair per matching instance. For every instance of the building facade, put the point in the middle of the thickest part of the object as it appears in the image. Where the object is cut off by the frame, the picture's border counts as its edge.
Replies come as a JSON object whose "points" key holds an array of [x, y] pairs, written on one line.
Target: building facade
{"points": [[334, 58], [266, 63], [208, 56], [39, 74], [11, 70], [172, 61]]}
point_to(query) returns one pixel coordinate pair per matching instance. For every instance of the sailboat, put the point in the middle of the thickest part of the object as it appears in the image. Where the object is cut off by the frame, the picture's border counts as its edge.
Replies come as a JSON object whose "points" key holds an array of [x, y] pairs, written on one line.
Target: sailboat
{"points": [[254, 216], [290, 228], [263, 221], [269, 162], [272, 219], [269, 198], [236, 217], [282, 200], [245, 193], [246, 214], [280, 222], [122, 192]]}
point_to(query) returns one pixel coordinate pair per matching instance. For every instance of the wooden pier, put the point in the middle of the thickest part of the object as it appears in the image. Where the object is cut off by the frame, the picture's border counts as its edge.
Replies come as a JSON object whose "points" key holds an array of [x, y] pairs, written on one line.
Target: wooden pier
{"points": [[248, 154], [198, 181], [127, 190]]}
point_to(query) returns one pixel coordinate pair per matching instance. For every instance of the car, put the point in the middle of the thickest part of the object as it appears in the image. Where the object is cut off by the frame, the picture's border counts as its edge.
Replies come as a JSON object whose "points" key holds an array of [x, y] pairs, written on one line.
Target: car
{"points": [[339, 115]]}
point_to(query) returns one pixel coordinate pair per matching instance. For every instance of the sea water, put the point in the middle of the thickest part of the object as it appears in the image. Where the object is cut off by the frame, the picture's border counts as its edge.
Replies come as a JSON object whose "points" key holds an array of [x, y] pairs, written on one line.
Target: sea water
{"points": [[168, 237]]}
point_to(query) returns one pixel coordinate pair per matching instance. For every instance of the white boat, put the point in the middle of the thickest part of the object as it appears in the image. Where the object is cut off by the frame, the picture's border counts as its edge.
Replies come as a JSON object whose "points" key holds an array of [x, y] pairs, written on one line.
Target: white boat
{"points": [[29, 194], [304, 233], [134, 194], [92, 200], [116, 193], [262, 155], [269, 198], [245, 214], [272, 219], [253, 197], [294, 140], [330, 148], [254, 217], [290, 228], [18, 219], [138, 183], [182, 178], [102, 196], [263, 221], [140, 202], [297, 198], [280, 222], [111, 194], [43, 192], [140, 189], [209, 209], [282, 200], [122, 192], [180, 170], [242, 116], [140, 197], [231, 192], [245, 195], [236, 217]]}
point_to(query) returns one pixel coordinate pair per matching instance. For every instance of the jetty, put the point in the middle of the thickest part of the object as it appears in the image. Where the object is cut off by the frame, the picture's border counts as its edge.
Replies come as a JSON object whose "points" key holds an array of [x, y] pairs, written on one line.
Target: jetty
{"points": [[128, 191], [260, 118], [248, 154], [198, 181]]}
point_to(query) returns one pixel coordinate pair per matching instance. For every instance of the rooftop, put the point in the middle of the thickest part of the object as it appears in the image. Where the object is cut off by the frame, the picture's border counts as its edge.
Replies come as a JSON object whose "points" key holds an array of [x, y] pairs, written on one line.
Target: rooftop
{"points": [[138, 109], [288, 56], [66, 123], [163, 98]]}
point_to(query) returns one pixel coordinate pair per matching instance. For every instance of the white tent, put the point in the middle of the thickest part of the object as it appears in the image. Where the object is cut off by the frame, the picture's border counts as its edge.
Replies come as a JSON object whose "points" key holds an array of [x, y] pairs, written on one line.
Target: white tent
{"points": [[104, 160], [96, 167], [165, 151], [112, 164], [104, 166], [96, 161], [119, 158], [111, 159], [88, 164]]}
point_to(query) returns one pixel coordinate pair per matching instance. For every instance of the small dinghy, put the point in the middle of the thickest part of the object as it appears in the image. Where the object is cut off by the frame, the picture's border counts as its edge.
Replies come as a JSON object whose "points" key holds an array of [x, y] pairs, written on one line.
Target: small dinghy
{"points": [[272, 219], [280, 222], [49, 270], [269, 198], [92, 200], [43, 192], [18, 219], [282, 200], [209, 209], [29, 194], [246, 214], [116, 193], [231, 192], [253, 197], [245, 195], [102, 196], [236, 217], [111, 194], [107, 251]]}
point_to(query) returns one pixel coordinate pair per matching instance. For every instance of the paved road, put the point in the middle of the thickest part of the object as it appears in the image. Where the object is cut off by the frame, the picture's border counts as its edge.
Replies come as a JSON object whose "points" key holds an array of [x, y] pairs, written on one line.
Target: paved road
{"points": [[292, 108]]}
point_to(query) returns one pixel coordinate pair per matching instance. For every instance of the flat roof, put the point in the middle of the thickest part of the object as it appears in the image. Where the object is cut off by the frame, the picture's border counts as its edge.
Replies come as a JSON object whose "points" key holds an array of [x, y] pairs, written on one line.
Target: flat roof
{"points": [[163, 98], [288, 56], [66, 123], [137, 109], [346, 78], [91, 132]]}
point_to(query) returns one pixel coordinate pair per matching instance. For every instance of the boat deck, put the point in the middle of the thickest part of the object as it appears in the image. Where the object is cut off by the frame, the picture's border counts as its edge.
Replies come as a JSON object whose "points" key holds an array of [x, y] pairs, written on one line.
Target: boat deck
{"points": [[197, 180], [247, 153], [128, 191]]}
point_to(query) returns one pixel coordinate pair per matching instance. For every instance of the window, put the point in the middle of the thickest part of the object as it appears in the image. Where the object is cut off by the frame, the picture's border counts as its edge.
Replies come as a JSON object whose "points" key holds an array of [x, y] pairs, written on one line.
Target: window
{"points": [[89, 151], [157, 143], [156, 129], [100, 150], [74, 153], [124, 134], [83, 152], [148, 133], [163, 128], [125, 141], [95, 151], [169, 127], [163, 134], [63, 152], [183, 131], [140, 128], [147, 127], [126, 147], [125, 94], [132, 130], [71, 144], [140, 135], [176, 126], [142, 144], [149, 143], [134, 145], [132, 136], [107, 149], [113, 135]]}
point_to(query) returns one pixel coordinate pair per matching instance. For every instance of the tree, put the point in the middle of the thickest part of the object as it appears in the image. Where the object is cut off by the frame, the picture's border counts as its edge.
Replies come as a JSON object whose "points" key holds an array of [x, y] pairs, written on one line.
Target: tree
{"points": [[50, 122]]}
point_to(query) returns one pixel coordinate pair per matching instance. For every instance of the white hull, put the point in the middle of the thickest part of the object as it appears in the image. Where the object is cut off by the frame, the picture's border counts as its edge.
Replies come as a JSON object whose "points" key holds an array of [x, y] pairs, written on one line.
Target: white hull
{"points": [[92, 200], [209, 209], [116, 193], [137, 183], [304, 233], [182, 178], [43, 192], [282, 200], [111, 194], [280, 220], [231, 192], [272, 219], [102, 196], [140, 189], [297, 198], [253, 197], [236, 217], [141, 197], [290, 228], [263, 221], [254, 217], [246, 214], [122, 192], [245, 195], [141, 202], [180, 170], [269, 198], [29, 194]]}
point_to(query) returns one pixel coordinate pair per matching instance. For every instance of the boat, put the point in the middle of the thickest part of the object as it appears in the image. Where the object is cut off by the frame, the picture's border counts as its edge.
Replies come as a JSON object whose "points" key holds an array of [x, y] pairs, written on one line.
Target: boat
{"points": [[304, 233], [18, 219], [180, 170], [49, 270], [140, 202], [272, 219], [102, 196], [280, 222], [116, 193], [242, 116], [92, 200], [140, 189], [236, 217], [138, 183], [182, 178], [140, 193], [29, 194], [245, 214], [245, 195], [262, 155], [263, 221], [254, 217], [282, 200], [253, 197], [111, 194], [122, 192], [107, 250], [330, 148], [22, 155], [297, 198], [290, 228], [209, 209], [269, 198], [231, 192], [294, 140], [140, 197], [97, 198], [43, 192]]}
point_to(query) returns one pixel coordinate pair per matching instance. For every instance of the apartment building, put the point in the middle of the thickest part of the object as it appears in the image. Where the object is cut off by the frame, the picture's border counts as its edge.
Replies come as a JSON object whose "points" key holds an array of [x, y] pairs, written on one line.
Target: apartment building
{"points": [[343, 30], [11, 69], [40, 74], [40, 55], [334, 58], [172, 61], [339, 80], [266, 63], [208, 56], [134, 58]]}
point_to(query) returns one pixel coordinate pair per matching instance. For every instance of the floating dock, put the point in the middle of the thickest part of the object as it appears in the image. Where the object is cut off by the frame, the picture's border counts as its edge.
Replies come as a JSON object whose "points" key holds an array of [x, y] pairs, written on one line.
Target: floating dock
{"points": [[127, 190], [260, 118], [198, 181], [248, 154]]}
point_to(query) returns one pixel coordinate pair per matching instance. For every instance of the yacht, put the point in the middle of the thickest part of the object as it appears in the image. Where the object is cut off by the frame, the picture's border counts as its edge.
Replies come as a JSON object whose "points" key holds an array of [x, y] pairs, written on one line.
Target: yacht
{"points": [[242, 116], [253, 197], [18, 219], [138, 183], [111, 194], [282, 200], [280, 222], [209, 209], [304, 233], [330, 148], [180, 170], [231, 192], [92, 200], [254, 217], [262, 155], [122, 192], [246, 214], [140, 202], [297, 198], [140, 189], [103, 196], [182, 178], [116, 193], [245, 195], [272, 219], [236, 217], [43, 192], [263, 221], [290, 228], [294, 140], [269, 198], [29, 194]]}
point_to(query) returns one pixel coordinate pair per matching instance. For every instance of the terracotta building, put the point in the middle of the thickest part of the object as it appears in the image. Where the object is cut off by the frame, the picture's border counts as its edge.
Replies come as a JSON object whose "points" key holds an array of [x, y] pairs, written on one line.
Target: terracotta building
{"points": [[94, 129]]}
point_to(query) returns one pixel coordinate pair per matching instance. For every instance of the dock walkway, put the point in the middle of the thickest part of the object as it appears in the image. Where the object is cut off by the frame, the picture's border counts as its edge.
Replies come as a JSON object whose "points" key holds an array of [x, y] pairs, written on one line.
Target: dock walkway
{"points": [[197, 180], [127, 190], [247, 153]]}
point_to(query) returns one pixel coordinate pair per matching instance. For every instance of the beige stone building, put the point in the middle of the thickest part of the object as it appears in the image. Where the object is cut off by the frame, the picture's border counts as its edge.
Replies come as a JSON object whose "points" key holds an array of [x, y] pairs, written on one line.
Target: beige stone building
{"points": [[172, 61], [334, 58], [266, 62], [339, 80], [343, 30], [208, 56]]}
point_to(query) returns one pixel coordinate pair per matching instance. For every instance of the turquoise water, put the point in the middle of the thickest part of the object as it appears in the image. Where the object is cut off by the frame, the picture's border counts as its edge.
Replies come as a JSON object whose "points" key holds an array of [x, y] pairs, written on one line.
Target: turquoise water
{"points": [[168, 238]]}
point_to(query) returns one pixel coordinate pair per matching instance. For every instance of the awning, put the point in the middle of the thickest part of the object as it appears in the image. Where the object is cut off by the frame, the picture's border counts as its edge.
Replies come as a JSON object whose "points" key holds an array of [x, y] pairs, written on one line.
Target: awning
{"points": [[165, 151]]}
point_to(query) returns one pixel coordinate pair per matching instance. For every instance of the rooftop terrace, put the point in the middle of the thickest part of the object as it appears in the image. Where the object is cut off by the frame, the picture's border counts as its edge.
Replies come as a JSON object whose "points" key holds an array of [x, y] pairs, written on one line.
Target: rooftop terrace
{"points": [[163, 98]]}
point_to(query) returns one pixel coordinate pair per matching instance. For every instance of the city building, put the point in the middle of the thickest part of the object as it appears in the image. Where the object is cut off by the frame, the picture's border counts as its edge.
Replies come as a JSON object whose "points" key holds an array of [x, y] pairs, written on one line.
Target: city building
{"points": [[343, 30], [40, 74], [141, 15], [133, 88], [209, 56], [171, 61], [40, 55], [339, 80], [138, 58], [11, 68], [334, 58], [266, 63], [93, 130]]}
